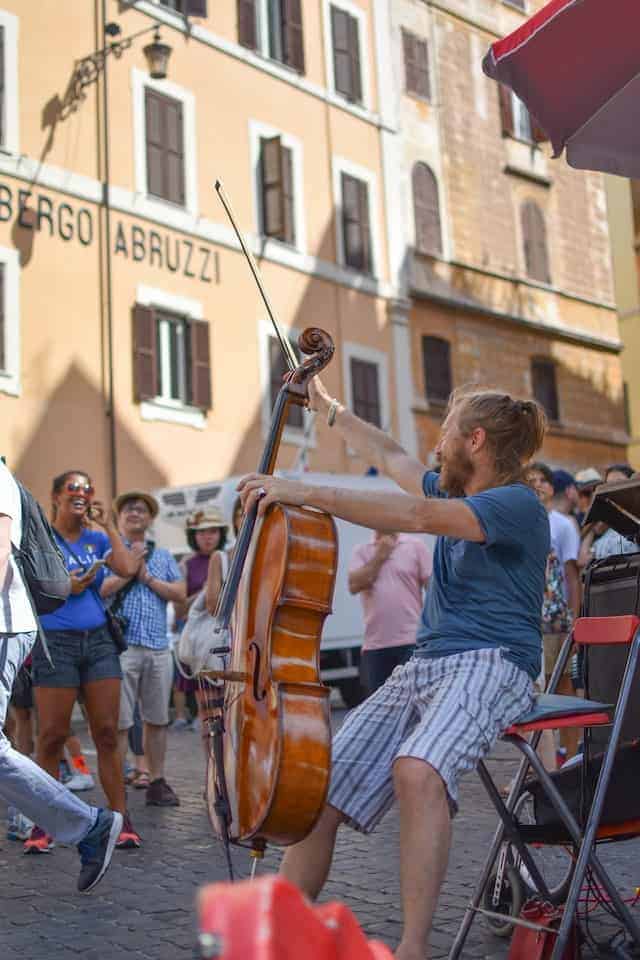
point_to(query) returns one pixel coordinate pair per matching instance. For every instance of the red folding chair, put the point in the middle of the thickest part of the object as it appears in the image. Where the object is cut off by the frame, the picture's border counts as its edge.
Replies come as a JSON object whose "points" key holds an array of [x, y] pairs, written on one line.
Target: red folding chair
{"points": [[551, 712]]}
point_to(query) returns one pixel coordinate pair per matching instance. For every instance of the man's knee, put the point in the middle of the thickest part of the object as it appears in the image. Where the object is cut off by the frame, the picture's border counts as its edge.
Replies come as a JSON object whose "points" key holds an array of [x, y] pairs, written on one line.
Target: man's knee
{"points": [[413, 776]]}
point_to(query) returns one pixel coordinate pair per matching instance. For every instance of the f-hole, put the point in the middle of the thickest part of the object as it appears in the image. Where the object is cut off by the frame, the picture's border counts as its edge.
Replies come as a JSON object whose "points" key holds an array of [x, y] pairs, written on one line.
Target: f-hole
{"points": [[257, 693]]}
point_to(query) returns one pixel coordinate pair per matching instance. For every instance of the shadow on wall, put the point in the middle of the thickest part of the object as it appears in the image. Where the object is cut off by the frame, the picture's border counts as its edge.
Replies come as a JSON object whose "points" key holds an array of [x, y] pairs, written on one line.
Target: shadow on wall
{"points": [[73, 432]]}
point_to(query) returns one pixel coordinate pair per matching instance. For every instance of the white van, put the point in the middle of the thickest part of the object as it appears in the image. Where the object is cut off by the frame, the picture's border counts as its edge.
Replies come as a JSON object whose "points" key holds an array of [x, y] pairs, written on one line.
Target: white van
{"points": [[343, 629]]}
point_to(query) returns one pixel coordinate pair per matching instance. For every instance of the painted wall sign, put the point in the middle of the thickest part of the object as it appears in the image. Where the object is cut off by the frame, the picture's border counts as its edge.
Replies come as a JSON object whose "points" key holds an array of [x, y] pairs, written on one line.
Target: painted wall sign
{"points": [[166, 251]]}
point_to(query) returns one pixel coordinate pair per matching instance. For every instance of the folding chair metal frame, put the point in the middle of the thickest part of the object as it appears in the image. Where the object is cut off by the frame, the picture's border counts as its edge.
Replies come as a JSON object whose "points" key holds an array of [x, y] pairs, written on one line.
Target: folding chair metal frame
{"points": [[587, 631]]}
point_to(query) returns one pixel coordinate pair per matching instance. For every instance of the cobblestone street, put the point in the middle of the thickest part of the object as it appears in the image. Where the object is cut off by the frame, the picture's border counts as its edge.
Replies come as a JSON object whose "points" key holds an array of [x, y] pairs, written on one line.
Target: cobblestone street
{"points": [[144, 909]]}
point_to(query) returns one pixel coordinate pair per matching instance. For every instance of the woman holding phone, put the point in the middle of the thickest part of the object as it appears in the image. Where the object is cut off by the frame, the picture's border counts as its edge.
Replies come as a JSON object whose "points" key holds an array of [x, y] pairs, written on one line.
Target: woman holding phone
{"points": [[84, 657]]}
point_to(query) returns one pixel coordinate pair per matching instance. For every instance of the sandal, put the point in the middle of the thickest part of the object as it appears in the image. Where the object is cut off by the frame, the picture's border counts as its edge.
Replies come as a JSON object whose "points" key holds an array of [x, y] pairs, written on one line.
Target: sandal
{"points": [[141, 781]]}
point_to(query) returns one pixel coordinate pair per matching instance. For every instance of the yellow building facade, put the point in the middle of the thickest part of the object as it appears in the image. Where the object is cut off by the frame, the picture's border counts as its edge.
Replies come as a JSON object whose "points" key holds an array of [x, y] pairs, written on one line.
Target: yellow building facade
{"points": [[134, 344]]}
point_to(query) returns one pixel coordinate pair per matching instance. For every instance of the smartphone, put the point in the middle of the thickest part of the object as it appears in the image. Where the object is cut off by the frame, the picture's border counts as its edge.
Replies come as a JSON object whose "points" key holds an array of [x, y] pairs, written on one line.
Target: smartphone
{"points": [[95, 566]]}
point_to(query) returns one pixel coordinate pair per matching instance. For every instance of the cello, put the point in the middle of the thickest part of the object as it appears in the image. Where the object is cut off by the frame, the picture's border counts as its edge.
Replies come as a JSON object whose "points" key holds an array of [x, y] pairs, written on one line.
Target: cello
{"points": [[270, 733]]}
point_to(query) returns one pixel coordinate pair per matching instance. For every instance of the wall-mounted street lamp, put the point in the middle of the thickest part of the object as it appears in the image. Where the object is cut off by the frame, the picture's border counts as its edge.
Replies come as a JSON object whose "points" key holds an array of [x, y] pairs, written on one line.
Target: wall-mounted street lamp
{"points": [[88, 69], [157, 54]]}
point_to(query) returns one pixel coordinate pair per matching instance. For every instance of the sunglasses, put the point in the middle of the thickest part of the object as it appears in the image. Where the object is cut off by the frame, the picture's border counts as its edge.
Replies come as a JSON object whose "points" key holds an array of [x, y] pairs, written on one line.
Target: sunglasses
{"points": [[74, 487]]}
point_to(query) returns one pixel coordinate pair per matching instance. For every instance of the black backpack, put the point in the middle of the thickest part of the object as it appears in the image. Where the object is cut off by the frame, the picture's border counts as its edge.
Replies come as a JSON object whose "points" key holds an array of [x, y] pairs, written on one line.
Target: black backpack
{"points": [[39, 558]]}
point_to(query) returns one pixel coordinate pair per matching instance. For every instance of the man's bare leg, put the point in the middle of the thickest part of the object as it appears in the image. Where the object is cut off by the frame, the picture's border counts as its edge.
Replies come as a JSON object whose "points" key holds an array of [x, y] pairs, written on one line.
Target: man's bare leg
{"points": [[425, 838], [307, 864]]}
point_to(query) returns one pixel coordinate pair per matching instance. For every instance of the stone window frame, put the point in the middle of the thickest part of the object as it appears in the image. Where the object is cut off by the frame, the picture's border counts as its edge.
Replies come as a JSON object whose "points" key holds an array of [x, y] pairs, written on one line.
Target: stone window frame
{"points": [[257, 132], [10, 382], [11, 119], [140, 81], [358, 351], [341, 165], [296, 436], [359, 14], [160, 408]]}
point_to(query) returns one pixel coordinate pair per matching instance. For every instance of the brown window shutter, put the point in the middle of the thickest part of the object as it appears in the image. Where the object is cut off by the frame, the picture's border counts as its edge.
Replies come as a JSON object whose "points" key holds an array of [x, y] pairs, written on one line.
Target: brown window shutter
{"points": [[426, 208], [366, 391], [534, 238], [538, 134], [408, 48], [200, 364], [154, 142], [145, 353], [356, 229], [365, 226], [3, 330], [354, 59], [340, 33], [195, 8], [423, 86], [174, 152], [288, 197], [2, 89], [277, 369], [247, 26], [436, 364], [292, 36], [506, 110], [545, 388], [165, 147], [273, 196]]}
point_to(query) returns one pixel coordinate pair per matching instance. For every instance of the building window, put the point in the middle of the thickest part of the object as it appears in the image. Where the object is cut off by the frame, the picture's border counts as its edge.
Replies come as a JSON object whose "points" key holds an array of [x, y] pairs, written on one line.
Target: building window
{"points": [[9, 96], [3, 334], [165, 147], [365, 390], [171, 358], [516, 120], [436, 364], [277, 368], [545, 388], [247, 24], [347, 74], [189, 8], [276, 186], [356, 229], [416, 65], [534, 239], [426, 210], [518, 4]]}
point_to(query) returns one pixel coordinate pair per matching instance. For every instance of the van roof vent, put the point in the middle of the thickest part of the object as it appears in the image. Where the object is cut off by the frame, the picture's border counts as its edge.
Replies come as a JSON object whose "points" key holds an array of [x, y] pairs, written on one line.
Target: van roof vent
{"points": [[207, 493], [176, 499]]}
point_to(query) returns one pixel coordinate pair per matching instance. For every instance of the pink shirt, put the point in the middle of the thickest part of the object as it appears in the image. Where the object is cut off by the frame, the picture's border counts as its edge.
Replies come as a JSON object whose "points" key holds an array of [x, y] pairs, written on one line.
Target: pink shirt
{"points": [[392, 606]]}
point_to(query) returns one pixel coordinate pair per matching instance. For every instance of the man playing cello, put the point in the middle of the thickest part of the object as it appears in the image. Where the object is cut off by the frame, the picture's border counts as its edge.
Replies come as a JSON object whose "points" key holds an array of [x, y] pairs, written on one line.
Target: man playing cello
{"points": [[478, 646]]}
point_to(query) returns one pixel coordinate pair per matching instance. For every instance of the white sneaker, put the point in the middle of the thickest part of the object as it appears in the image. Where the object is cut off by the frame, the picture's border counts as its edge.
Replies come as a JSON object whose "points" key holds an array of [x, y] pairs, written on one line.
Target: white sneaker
{"points": [[80, 781]]}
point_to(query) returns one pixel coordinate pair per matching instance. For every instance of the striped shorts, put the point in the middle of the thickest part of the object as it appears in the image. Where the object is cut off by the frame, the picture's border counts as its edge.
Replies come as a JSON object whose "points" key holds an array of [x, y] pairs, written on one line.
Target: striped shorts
{"points": [[447, 711]]}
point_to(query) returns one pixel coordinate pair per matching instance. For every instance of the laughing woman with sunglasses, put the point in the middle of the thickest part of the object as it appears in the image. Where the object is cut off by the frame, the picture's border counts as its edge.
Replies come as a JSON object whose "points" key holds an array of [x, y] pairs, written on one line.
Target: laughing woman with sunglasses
{"points": [[84, 657]]}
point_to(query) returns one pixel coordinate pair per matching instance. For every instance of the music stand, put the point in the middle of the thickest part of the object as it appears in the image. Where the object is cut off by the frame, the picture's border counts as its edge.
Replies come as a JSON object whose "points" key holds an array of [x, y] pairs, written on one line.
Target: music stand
{"points": [[618, 505]]}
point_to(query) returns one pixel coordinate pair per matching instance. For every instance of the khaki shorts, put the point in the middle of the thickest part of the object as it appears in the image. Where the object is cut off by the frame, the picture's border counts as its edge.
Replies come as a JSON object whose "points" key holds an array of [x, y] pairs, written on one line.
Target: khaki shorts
{"points": [[147, 676], [552, 645]]}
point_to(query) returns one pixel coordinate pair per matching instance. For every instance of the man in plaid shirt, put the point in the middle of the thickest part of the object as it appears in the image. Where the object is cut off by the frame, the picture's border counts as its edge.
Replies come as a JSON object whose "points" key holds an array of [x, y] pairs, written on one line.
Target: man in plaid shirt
{"points": [[147, 666]]}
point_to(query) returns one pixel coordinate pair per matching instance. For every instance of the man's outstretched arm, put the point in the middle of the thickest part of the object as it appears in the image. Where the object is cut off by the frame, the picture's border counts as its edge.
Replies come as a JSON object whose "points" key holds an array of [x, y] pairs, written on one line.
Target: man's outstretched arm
{"points": [[374, 445], [386, 512]]}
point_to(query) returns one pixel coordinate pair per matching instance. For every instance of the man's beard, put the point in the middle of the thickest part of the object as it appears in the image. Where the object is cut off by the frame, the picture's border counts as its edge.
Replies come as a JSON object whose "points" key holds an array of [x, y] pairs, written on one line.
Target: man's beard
{"points": [[456, 471]]}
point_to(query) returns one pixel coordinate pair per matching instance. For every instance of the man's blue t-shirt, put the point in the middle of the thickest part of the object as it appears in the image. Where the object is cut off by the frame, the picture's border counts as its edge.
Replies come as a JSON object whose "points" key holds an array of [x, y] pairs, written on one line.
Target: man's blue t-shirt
{"points": [[489, 594], [84, 611]]}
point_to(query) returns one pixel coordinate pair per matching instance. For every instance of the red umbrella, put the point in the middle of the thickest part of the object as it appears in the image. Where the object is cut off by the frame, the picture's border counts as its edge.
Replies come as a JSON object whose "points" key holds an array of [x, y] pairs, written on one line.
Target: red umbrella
{"points": [[576, 65]]}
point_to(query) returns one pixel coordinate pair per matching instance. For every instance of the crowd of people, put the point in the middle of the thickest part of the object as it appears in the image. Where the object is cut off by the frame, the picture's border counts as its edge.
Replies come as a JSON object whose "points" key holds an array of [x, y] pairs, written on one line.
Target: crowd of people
{"points": [[444, 671], [107, 648]]}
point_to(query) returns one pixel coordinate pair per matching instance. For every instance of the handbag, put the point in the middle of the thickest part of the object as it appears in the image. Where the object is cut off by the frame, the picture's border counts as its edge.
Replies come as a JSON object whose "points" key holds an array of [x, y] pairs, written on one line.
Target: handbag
{"points": [[197, 637], [528, 944]]}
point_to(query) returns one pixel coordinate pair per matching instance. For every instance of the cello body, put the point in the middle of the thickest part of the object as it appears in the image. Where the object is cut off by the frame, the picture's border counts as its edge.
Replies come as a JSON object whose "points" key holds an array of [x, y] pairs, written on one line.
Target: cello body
{"points": [[277, 741]]}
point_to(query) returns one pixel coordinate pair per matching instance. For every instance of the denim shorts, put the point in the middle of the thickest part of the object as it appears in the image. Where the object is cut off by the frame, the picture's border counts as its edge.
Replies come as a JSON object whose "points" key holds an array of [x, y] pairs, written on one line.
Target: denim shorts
{"points": [[79, 657]]}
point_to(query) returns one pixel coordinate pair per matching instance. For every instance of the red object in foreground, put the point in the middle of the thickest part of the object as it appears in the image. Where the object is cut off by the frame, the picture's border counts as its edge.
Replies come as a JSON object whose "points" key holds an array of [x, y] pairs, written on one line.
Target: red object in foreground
{"points": [[269, 919], [576, 65]]}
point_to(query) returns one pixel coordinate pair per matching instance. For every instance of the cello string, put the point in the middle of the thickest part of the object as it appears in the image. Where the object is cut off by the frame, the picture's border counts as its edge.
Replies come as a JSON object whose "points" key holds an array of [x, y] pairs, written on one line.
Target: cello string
{"points": [[285, 345]]}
